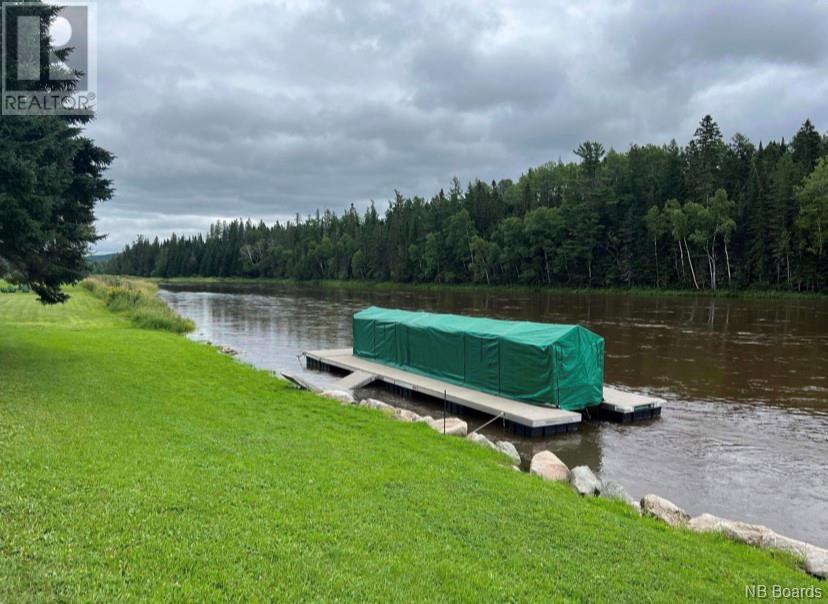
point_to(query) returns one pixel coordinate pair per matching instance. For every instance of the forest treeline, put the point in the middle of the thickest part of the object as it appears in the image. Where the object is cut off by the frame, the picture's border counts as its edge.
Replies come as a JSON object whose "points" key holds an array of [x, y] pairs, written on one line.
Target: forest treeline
{"points": [[708, 215]]}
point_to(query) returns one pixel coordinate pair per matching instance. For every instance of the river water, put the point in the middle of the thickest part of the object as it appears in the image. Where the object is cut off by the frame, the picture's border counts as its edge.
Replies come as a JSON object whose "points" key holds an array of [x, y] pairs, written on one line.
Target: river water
{"points": [[743, 433]]}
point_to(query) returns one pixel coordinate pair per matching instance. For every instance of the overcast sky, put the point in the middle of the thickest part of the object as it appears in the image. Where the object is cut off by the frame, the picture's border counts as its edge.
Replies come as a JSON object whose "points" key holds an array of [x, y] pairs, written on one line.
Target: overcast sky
{"points": [[261, 109]]}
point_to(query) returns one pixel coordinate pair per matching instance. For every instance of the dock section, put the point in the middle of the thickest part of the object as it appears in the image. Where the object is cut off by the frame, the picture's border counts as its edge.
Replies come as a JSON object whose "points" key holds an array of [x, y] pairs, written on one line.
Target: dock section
{"points": [[521, 418], [626, 407]]}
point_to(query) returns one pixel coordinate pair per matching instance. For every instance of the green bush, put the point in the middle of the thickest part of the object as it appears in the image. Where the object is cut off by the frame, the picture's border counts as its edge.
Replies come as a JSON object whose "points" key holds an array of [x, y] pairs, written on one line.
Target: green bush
{"points": [[137, 299]]}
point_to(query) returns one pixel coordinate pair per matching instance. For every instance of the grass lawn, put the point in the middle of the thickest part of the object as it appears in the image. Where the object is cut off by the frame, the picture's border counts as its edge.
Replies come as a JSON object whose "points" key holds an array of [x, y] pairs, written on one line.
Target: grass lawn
{"points": [[136, 464]]}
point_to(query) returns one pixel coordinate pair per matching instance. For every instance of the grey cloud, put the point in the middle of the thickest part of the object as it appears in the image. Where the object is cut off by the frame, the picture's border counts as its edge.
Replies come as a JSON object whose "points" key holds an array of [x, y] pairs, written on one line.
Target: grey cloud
{"points": [[221, 110], [460, 78], [668, 37]]}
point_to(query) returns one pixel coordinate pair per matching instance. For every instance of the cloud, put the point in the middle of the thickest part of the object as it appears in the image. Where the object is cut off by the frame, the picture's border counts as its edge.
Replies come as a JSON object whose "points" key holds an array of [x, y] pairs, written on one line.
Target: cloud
{"points": [[265, 109]]}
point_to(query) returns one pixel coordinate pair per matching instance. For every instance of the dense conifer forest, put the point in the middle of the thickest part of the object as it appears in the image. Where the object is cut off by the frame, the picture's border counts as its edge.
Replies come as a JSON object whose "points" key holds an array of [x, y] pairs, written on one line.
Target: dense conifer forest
{"points": [[709, 215]]}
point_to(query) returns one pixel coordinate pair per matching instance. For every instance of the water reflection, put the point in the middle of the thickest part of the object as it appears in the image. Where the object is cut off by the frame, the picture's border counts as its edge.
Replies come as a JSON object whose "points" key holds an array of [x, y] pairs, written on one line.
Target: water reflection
{"points": [[744, 432]]}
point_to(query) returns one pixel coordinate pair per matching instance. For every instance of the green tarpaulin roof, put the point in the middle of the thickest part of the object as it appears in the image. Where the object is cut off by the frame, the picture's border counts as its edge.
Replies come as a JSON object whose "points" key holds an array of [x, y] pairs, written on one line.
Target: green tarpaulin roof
{"points": [[539, 363], [524, 332]]}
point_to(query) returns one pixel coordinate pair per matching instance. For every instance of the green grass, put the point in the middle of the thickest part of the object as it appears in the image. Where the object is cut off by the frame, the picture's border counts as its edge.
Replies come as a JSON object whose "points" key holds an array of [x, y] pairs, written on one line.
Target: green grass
{"points": [[137, 465], [473, 287]]}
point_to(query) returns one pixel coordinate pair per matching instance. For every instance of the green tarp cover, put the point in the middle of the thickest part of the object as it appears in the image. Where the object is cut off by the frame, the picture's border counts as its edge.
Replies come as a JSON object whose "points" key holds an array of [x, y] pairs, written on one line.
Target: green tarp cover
{"points": [[539, 363]]}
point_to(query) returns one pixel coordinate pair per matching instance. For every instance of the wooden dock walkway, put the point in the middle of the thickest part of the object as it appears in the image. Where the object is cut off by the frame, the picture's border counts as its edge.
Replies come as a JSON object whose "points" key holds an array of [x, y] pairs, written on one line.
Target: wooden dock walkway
{"points": [[523, 418], [526, 418]]}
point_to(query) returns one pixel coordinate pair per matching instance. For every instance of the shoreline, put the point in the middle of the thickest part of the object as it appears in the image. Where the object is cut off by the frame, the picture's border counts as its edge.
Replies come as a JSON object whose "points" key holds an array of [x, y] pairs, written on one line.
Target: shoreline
{"points": [[643, 292]]}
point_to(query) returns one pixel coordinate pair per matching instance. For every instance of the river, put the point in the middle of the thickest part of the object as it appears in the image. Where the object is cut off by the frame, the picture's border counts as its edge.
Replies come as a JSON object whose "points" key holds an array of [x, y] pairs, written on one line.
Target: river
{"points": [[743, 433]]}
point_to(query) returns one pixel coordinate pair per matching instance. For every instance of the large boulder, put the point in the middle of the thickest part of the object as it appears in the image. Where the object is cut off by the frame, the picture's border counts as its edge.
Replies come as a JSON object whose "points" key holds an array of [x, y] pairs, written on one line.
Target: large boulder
{"points": [[481, 440], [343, 396], [816, 562], [384, 408], [503, 446], [706, 523], [405, 415], [508, 449], [451, 426], [547, 465], [669, 512], [752, 534], [786, 544], [373, 403], [613, 490], [584, 481]]}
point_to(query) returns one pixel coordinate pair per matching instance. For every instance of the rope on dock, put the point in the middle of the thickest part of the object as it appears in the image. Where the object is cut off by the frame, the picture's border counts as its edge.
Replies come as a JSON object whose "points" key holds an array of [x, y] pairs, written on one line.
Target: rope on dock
{"points": [[496, 417]]}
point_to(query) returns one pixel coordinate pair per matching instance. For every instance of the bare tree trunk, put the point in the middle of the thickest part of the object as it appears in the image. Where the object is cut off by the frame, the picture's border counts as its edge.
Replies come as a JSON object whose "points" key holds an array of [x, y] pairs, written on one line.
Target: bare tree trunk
{"points": [[690, 261], [711, 263], [714, 282], [709, 267], [727, 261], [715, 264], [788, 263], [546, 262], [715, 271]]}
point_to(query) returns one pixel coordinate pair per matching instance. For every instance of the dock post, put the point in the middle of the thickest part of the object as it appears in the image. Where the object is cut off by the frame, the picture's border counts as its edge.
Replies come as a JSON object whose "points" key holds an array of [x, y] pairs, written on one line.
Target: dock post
{"points": [[445, 402]]}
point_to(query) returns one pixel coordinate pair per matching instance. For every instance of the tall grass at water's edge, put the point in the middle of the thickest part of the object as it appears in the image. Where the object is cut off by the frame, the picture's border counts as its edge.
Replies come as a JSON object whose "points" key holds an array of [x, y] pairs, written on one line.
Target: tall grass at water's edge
{"points": [[137, 299]]}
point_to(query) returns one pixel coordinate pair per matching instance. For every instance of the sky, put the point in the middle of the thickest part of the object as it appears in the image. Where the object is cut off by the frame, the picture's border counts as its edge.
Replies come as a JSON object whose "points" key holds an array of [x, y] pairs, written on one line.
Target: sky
{"points": [[263, 109]]}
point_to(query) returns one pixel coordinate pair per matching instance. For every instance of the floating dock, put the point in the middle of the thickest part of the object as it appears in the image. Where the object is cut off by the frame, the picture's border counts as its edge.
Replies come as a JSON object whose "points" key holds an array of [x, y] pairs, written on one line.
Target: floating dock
{"points": [[521, 418], [627, 407]]}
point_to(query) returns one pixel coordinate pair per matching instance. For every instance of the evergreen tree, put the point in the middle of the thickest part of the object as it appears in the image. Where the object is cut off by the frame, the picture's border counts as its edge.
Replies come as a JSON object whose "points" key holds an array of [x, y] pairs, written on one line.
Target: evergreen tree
{"points": [[705, 158], [807, 147], [51, 179]]}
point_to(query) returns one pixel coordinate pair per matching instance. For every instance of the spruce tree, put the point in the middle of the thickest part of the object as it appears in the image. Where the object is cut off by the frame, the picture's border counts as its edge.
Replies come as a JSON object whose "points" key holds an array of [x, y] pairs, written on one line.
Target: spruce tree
{"points": [[51, 179]]}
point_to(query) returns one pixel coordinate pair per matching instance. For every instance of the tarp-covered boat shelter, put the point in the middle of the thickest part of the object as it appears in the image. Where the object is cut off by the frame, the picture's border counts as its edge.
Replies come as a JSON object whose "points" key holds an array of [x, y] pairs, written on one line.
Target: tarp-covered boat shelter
{"points": [[538, 363]]}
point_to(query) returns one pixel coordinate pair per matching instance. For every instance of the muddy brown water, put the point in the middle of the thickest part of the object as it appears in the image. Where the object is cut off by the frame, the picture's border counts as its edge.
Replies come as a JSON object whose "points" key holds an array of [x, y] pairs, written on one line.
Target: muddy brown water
{"points": [[744, 431]]}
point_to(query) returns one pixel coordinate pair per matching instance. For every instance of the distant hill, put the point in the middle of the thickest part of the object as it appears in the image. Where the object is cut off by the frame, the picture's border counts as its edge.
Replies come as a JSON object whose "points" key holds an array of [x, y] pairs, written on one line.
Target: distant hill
{"points": [[99, 258]]}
